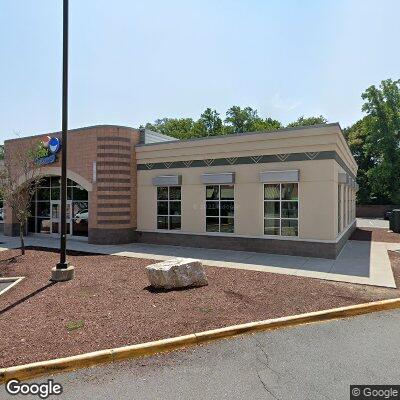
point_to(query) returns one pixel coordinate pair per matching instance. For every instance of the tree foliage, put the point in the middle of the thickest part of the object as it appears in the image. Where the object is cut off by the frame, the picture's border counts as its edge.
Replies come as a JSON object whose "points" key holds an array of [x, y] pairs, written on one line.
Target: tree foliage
{"points": [[375, 143], [210, 123], [356, 136], [382, 126], [306, 121]]}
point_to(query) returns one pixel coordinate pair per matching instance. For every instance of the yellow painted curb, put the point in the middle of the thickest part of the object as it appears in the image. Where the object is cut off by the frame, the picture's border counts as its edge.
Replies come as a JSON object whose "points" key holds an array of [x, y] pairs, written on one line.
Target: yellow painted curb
{"points": [[29, 371]]}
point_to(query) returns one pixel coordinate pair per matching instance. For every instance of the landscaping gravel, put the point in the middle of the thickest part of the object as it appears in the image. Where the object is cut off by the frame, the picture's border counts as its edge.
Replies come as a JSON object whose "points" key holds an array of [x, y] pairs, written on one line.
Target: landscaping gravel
{"points": [[109, 303], [375, 235]]}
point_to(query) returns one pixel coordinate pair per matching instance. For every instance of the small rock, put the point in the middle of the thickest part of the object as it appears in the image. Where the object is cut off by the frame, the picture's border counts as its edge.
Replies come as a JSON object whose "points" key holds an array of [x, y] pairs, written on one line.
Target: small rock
{"points": [[176, 273]]}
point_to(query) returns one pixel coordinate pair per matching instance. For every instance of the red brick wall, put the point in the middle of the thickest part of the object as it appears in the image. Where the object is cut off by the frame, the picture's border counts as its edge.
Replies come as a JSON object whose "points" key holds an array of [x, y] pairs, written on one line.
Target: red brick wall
{"points": [[112, 198]]}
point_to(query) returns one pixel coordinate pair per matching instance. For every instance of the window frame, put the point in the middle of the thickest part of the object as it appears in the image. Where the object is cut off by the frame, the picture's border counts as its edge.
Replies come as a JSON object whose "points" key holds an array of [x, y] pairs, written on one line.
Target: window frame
{"points": [[219, 201], [168, 201], [280, 210]]}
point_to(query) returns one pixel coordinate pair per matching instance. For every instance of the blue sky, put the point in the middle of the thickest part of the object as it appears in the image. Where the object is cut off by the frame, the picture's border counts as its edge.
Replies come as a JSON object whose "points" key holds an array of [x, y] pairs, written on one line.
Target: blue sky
{"points": [[134, 61]]}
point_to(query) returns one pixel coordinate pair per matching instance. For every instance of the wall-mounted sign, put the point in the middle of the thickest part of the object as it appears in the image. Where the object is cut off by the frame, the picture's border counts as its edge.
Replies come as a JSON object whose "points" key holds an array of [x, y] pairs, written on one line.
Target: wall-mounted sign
{"points": [[48, 150]]}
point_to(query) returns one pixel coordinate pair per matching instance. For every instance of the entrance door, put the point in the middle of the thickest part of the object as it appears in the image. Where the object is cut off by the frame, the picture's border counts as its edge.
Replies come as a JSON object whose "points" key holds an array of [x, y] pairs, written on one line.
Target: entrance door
{"points": [[55, 214]]}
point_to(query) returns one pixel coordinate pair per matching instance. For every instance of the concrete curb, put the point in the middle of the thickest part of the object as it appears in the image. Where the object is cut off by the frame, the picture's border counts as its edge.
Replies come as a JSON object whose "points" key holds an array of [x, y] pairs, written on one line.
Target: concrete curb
{"points": [[29, 371]]}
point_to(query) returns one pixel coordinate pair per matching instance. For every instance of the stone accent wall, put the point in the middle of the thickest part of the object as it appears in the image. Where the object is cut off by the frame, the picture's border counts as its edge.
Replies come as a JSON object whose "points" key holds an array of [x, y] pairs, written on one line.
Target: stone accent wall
{"points": [[301, 248]]}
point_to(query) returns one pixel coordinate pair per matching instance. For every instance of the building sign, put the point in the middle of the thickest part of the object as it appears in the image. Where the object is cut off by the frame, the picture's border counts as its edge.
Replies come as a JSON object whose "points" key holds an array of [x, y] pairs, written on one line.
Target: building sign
{"points": [[48, 150]]}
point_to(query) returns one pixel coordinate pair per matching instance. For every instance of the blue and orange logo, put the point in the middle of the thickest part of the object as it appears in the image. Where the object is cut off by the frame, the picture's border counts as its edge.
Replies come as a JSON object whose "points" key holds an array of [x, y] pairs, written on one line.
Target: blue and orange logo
{"points": [[49, 148], [53, 144]]}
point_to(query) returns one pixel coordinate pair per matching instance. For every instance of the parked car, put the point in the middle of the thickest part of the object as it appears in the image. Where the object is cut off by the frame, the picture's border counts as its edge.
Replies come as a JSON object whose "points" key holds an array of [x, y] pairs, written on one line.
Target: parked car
{"points": [[82, 215]]}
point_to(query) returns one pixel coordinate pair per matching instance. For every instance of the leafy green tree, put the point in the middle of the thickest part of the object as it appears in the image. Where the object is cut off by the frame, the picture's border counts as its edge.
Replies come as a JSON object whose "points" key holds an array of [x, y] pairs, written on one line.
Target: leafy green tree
{"points": [[180, 128], [267, 124], [306, 121], [356, 136], [382, 126], [240, 120], [210, 123]]}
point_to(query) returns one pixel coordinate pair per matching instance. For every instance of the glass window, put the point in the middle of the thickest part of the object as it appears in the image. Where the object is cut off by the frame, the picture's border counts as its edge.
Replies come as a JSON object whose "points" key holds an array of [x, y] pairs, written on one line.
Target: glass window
{"points": [[175, 193], [289, 227], [212, 224], [289, 209], [226, 192], [79, 193], [175, 223], [271, 226], [281, 209], [43, 194], [212, 193], [212, 208], [272, 192], [55, 181], [47, 197], [272, 209], [43, 209], [220, 208], [169, 207], [162, 193], [162, 207], [162, 222], [227, 225], [45, 182], [290, 191]]}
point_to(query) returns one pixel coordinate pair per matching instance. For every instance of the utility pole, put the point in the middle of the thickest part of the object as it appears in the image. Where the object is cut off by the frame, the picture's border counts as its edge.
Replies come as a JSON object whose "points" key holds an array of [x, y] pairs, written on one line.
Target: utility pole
{"points": [[63, 271]]}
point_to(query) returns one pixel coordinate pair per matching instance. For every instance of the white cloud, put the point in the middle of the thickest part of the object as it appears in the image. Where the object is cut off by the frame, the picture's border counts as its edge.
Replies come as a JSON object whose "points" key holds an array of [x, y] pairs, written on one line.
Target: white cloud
{"points": [[283, 104]]}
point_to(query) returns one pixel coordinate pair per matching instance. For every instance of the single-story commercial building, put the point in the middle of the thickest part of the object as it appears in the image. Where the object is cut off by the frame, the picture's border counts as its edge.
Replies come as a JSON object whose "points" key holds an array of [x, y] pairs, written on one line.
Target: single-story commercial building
{"points": [[290, 191]]}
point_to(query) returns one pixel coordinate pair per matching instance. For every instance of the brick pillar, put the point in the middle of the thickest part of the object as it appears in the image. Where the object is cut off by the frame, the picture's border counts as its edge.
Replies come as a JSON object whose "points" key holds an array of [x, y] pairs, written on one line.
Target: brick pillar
{"points": [[113, 200]]}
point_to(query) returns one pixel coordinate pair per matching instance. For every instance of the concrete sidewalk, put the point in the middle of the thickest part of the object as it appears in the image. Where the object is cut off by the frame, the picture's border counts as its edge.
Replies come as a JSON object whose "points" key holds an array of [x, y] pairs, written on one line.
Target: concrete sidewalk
{"points": [[360, 262], [372, 223]]}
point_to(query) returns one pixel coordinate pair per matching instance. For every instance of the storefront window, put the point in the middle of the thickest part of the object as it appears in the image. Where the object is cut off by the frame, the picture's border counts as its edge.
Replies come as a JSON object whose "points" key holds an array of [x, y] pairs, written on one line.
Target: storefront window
{"points": [[169, 207], [281, 209], [220, 208], [45, 208]]}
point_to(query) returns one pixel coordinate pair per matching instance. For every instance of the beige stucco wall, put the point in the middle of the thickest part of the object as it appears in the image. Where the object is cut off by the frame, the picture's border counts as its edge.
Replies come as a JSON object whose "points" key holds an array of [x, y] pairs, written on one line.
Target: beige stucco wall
{"points": [[318, 184], [316, 198]]}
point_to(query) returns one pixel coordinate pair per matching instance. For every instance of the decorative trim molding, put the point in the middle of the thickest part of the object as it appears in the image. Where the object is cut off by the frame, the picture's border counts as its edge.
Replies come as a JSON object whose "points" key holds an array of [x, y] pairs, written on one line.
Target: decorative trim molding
{"points": [[256, 159]]}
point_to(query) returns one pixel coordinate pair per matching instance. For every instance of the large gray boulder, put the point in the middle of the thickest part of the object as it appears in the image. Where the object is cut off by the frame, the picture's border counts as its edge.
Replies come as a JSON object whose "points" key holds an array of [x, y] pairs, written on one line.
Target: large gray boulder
{"points": [[176, 273]]}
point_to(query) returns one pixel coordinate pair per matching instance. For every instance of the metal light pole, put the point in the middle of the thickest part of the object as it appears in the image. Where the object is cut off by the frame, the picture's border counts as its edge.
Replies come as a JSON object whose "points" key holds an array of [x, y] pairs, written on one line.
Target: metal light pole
{"points": [[63, 271]]}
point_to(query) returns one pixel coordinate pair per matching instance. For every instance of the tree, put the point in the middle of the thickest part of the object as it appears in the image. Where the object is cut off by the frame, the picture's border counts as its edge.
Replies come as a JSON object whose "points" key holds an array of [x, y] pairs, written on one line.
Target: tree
{"points": [[180, 128], [19, 179], [356, 137], [306, 121], [267, 124], [210, 123], [240, 120], [382, 126]]}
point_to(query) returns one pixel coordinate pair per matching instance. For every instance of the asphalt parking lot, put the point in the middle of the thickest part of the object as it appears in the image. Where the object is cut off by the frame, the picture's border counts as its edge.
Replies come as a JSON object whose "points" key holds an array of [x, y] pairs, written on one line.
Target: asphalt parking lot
{"points": [[315, 361]]}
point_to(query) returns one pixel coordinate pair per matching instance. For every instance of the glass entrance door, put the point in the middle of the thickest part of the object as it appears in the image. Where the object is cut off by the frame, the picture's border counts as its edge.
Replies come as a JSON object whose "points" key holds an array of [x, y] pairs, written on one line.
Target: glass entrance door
{"points": [[55, 214]]}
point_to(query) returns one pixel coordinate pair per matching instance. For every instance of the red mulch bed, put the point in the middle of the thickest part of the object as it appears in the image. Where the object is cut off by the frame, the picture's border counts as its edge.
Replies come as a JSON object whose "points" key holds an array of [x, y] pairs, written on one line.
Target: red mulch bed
{"points": [[375, 235], [110, 295]]}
